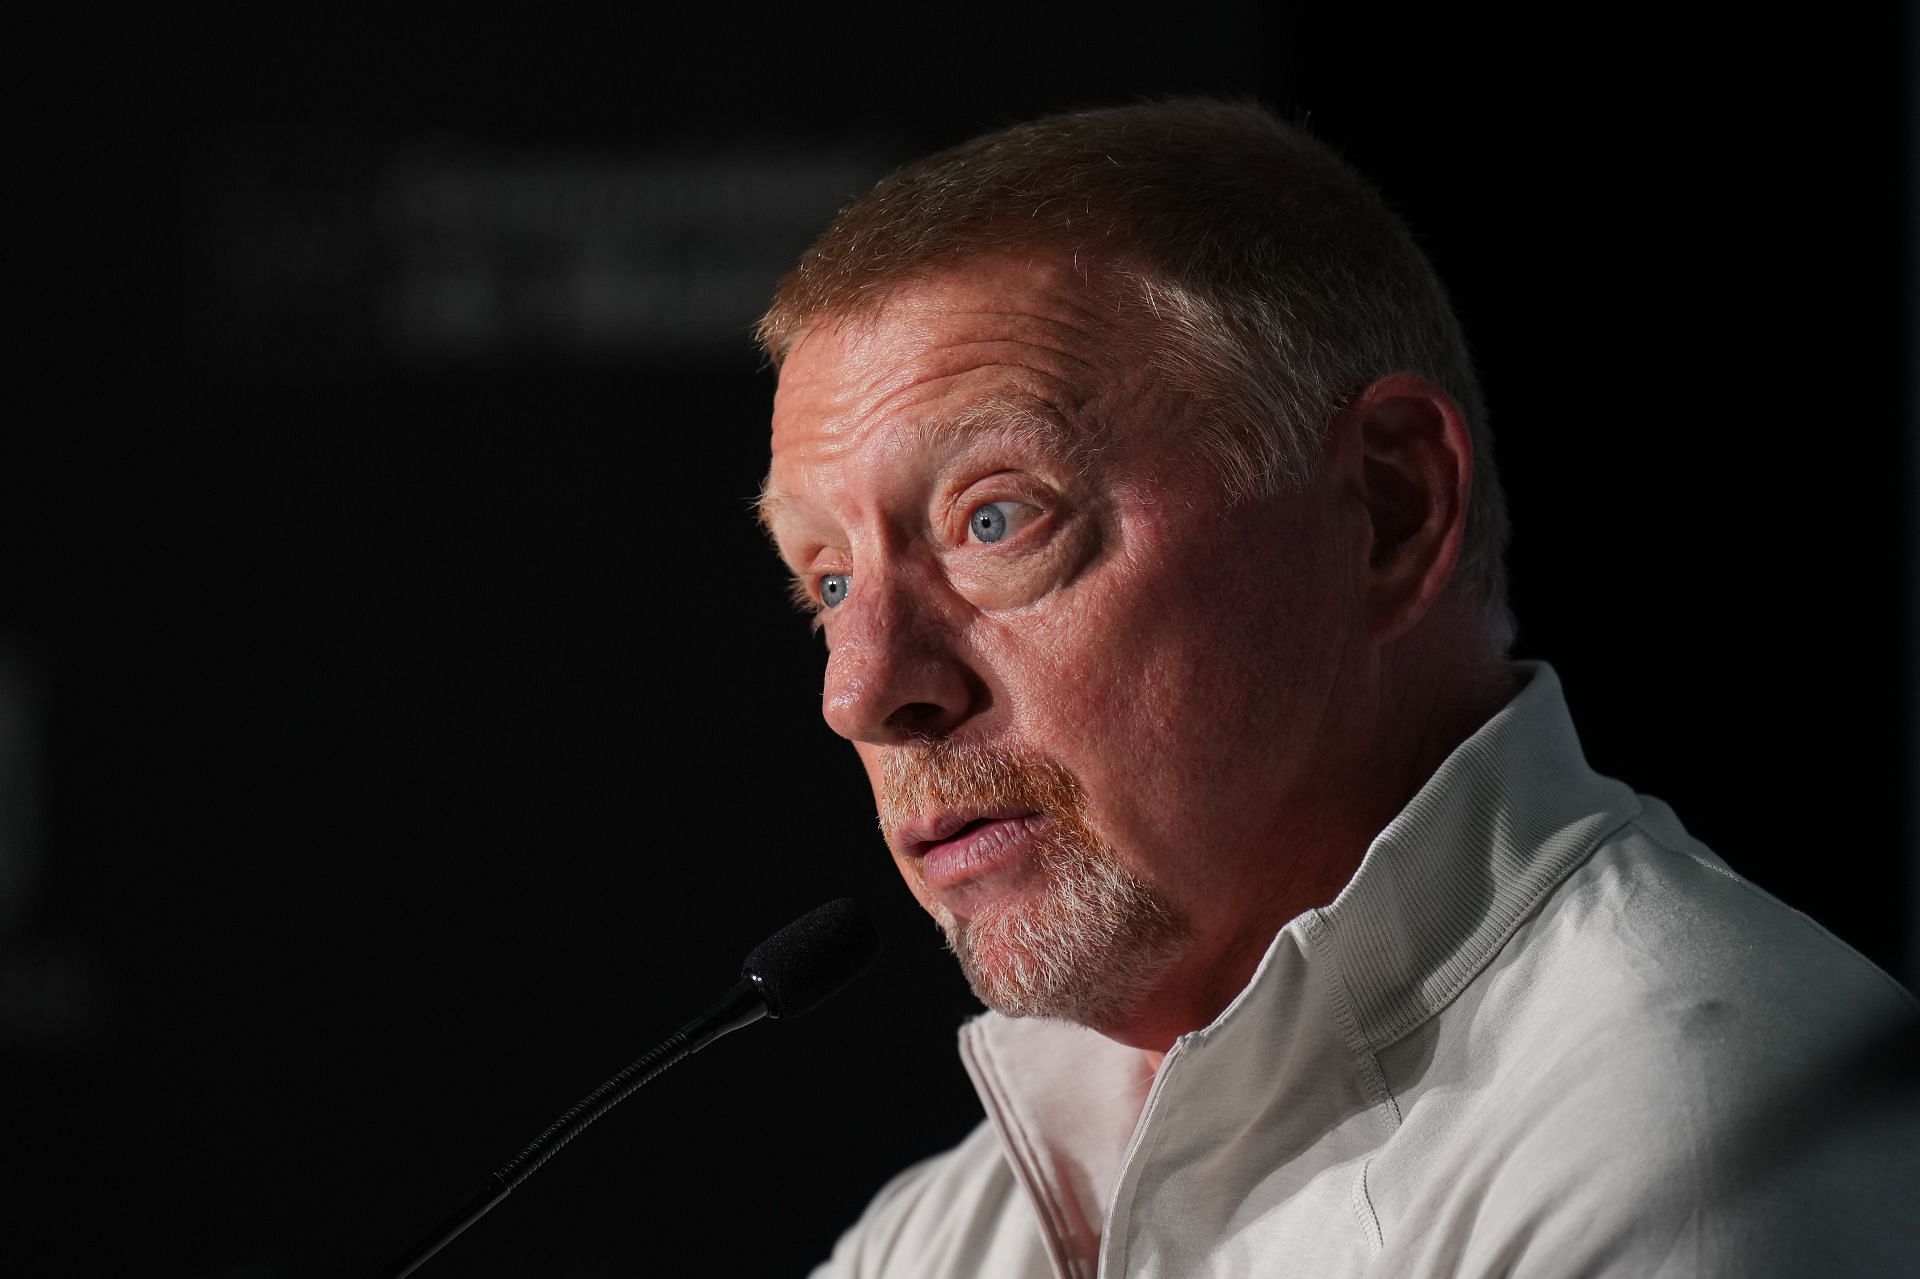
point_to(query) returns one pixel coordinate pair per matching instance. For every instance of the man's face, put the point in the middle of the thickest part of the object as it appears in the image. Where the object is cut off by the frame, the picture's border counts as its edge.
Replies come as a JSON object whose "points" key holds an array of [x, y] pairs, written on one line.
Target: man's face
{"points": [[1097, 705]]}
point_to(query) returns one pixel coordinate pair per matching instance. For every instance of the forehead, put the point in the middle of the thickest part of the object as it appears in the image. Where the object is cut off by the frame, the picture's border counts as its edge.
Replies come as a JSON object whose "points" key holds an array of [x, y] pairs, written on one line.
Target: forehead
{"points": [[1016, 341]]}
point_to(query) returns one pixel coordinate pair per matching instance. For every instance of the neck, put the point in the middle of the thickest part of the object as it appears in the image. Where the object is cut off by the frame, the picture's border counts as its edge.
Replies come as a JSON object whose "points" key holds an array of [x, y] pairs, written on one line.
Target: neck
{"points": [[1431, 713], [1421, 712]]}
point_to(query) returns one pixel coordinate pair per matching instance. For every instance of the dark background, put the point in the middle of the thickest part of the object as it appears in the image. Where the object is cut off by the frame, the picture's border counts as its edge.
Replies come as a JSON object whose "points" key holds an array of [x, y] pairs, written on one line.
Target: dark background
{"points": [[402, 725]]}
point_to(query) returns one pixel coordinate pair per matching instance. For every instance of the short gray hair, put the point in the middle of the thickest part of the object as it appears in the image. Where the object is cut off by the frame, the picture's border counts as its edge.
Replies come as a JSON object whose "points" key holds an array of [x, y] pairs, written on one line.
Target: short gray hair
{"points": [[1278, 282]]}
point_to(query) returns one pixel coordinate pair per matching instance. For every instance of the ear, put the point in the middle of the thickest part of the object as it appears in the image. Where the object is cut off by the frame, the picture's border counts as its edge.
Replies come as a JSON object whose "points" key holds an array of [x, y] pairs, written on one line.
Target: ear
{"points": [[1409, 466]]}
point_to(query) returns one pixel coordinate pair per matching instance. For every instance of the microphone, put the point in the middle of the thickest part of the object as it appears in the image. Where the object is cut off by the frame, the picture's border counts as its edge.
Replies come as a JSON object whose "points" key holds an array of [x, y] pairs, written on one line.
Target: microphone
{"points": [[790, 973]]}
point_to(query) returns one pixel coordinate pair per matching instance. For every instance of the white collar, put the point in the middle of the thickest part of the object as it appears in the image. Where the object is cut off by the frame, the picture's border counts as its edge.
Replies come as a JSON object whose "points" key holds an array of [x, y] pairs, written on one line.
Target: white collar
{"points": [[1509, 814]]}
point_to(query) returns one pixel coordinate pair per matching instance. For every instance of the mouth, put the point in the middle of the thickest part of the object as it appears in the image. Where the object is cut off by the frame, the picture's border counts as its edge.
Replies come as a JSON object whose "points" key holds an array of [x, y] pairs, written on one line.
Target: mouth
{"points": [[952, 849], [924, 835]]}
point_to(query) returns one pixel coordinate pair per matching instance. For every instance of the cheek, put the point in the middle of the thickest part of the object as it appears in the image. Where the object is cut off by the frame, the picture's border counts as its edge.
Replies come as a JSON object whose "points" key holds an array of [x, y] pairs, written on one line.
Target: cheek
{"points": [[1186, 696], [1107, 682]]}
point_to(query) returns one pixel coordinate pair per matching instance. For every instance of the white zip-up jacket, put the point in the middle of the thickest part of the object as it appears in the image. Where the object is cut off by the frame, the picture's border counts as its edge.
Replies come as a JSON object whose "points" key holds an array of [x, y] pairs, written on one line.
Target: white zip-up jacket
{"points": [[1542, 1031]]}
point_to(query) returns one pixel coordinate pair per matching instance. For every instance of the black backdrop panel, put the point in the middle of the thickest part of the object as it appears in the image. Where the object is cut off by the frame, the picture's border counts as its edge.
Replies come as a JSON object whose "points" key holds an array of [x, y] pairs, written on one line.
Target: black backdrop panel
{"points": [[416, 727]]}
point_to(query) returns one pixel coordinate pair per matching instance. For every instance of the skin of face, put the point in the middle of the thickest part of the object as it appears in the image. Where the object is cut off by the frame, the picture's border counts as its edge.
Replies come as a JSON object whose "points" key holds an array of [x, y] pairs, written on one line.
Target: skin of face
{"points": [[1210, 673]]}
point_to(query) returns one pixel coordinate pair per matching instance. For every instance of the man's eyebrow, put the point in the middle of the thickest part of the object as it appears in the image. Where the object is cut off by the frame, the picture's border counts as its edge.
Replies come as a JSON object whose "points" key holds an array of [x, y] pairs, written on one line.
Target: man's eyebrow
{"points": [[1032, 422], [767, 507]]}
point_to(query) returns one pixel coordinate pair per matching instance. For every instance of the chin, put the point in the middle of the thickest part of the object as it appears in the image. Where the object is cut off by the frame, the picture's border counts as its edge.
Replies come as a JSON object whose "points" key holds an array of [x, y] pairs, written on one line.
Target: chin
{"points": [[1088, 945]]}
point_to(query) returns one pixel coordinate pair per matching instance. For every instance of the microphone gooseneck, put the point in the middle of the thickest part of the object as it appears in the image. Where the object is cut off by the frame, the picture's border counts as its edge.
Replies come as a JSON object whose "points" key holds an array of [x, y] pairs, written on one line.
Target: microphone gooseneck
{"points": [[790, 973]]}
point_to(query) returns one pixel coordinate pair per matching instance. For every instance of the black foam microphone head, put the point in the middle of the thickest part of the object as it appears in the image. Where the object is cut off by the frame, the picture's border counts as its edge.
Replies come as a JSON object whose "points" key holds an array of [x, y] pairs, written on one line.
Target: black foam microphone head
{"points": [[813, 957]]}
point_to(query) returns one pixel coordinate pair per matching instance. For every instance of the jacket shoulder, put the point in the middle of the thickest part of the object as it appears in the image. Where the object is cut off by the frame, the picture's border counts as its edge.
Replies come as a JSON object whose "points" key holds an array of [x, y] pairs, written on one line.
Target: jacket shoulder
{"points": [[1664, 1070]]}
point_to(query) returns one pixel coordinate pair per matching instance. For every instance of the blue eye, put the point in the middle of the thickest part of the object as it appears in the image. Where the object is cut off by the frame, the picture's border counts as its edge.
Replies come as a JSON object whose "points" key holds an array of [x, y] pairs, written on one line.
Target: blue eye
{"points": [[989, 523], [834, 588]]}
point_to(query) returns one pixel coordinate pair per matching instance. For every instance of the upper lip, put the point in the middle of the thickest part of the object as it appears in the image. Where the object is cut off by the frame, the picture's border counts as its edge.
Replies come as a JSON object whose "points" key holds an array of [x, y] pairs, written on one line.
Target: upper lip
{"points": [[922, 833]]}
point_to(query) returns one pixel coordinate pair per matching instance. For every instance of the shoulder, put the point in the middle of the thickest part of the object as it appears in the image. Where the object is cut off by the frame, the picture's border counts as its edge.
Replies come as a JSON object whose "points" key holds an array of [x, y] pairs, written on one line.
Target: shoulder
{"points": [[1674, 939], [960, 1212], [1665, 1065]]}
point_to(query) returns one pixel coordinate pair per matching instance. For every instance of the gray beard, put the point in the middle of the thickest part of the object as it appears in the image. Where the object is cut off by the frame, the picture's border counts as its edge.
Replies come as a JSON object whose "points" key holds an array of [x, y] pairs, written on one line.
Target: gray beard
{"points": [[1085, 939], [1087, 945]]}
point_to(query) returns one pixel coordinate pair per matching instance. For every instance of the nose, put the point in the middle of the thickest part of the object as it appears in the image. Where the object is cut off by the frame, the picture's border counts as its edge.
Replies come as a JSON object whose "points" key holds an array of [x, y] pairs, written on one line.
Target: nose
{"points": [[897, 669]]}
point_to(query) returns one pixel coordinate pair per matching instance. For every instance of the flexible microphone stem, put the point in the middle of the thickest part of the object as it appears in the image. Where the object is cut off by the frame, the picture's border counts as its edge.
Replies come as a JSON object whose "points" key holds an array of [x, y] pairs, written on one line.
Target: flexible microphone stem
{"points": [[795, 970], [741, 1006]]}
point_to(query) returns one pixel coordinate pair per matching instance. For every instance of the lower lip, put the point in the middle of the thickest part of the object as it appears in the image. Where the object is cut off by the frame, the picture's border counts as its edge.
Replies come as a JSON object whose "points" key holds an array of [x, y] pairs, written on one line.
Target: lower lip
{"points": [[986, 849]]}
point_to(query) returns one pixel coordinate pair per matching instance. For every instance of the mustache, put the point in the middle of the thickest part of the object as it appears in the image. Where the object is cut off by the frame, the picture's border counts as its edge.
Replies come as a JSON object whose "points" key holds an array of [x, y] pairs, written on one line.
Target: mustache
{"points": [[921, 777]]}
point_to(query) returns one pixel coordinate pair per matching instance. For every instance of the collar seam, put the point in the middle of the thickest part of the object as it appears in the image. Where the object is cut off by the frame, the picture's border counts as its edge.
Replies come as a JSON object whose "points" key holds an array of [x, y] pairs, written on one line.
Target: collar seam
{"points": [[1425, 1007]]}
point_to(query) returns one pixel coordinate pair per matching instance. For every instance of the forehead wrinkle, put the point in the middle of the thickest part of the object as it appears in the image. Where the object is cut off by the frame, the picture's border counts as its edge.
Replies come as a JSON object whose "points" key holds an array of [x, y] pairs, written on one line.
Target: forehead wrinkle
{"points": [[1029, 421], [1033, 424], [1071, 339], [1083, 332]]}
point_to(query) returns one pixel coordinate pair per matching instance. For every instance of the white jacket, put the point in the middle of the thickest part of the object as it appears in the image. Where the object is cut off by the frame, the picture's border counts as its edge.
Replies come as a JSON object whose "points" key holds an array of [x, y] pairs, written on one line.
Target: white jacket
{"points": [[1543, 1031]]}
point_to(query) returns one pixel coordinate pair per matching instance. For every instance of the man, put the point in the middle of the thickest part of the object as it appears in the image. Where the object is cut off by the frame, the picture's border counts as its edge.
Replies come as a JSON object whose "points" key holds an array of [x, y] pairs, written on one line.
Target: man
{"points": [[1133, 467]]}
